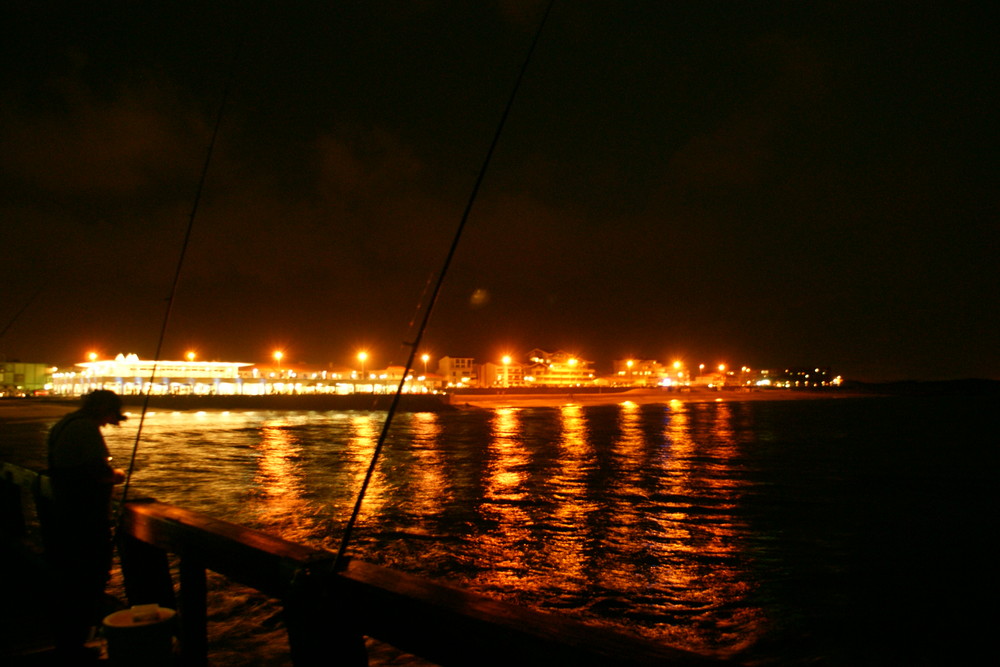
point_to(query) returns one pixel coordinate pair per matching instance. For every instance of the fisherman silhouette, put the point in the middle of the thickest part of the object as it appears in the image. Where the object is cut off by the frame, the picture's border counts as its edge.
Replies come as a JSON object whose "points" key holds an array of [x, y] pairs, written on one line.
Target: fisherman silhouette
{"points": [[76, 523]]}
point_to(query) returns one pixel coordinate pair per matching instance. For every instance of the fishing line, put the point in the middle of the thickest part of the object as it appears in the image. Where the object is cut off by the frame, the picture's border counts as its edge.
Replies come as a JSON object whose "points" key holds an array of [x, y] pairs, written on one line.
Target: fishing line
{"points": [[20, 312], [177, 275], [415, 344]]}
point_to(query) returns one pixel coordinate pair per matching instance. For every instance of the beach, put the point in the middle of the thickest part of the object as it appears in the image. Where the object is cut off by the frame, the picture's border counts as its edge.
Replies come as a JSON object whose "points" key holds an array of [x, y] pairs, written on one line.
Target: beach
{"points": [[20, 410], [33, 409], [640, 396]]}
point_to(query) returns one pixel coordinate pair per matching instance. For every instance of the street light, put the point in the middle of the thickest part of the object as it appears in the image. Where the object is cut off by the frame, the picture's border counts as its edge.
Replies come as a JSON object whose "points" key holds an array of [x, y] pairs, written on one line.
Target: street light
{"points": [[506, 370], [278, 354], [425, 358], [362, 357], [190, 356]]}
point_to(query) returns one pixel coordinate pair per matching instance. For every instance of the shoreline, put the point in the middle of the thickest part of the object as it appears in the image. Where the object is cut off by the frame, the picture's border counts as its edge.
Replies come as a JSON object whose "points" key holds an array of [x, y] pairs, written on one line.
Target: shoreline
{"points": [[17, 410], [644, 397]]}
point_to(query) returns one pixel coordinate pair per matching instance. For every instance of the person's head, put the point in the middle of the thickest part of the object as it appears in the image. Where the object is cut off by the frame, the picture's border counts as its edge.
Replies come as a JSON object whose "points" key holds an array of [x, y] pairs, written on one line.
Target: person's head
{"points": [[103, 405]]}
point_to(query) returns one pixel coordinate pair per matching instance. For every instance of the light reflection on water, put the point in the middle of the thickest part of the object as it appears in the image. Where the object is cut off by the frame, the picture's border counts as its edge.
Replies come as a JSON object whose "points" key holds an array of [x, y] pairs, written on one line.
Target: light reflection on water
{"points": [[816, 532], [622, 513], [278, 504]]}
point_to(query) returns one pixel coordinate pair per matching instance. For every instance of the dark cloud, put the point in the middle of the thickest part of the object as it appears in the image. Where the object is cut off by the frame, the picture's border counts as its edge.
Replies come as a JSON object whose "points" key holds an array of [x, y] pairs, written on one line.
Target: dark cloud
{"points": [[782, 184]]}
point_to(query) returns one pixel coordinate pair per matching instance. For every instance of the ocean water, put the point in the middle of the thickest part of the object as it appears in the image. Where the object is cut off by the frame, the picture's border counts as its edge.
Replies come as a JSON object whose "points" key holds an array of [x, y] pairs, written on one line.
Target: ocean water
{"points": [[814, 532]]}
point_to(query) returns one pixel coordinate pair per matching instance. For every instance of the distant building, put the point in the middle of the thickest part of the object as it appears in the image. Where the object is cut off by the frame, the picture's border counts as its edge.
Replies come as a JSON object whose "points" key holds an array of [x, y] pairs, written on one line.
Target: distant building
{"points": [[637, 372], [501, 375], [127, 374], [131, 375], [712, 380], [24, 379], [804, 377], [558, 369], [458, 371]]}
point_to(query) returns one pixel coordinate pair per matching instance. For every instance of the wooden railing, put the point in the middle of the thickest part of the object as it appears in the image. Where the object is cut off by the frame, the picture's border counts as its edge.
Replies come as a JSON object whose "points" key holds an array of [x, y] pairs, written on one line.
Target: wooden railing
{"points": [[328, 613]]}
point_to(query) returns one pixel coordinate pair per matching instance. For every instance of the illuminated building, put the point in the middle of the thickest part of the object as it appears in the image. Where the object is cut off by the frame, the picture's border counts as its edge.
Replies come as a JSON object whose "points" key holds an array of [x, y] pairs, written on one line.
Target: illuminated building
{"points": [[558, 369], [131, 375], [504, 374], [637, 372], [803, 377], [23, 379], [458, 371]]}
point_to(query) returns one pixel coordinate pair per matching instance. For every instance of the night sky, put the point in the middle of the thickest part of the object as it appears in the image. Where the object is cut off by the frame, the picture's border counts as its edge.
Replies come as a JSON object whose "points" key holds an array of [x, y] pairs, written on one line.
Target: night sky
{"points": [[765, 184]]}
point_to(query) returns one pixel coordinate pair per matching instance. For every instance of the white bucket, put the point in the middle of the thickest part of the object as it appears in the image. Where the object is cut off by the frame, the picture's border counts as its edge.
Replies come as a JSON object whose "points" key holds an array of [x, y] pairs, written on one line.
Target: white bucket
{"points": [[142, 635]]}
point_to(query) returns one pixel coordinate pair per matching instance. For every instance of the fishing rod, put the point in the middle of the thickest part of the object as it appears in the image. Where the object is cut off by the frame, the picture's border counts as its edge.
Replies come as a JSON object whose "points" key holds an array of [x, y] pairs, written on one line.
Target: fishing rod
{"points": [[20, 312], [415, 344], [177, 275]]}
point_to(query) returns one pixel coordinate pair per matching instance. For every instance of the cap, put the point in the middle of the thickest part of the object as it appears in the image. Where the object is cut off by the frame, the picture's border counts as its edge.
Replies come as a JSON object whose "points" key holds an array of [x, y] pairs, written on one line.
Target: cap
{"points": [[101, 402]]}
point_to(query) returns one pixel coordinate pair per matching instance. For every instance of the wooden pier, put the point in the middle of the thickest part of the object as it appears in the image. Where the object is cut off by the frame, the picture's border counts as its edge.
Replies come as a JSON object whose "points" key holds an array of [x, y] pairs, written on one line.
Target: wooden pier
{"points": [[328, 613]]}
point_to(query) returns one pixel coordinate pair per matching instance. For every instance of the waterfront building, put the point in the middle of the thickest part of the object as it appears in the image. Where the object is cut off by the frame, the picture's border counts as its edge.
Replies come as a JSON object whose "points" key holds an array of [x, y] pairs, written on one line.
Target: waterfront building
{"points": [[650, 373], [458, 371], [387, 382], [130, 375], [558, 369], [712, 379], [506, 374], [803, 377], [637, 372], [24, 379], [127, 374]]}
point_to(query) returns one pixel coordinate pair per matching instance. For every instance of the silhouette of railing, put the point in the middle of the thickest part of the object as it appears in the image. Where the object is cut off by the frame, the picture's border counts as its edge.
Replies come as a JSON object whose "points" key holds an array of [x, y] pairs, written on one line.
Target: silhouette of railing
{"points": [[327, 613]]}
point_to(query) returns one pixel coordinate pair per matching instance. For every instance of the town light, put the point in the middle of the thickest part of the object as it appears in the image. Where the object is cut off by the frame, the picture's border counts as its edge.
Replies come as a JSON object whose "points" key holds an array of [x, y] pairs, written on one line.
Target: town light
{"points": [[425, 358], [362, 357], [190, 356]]}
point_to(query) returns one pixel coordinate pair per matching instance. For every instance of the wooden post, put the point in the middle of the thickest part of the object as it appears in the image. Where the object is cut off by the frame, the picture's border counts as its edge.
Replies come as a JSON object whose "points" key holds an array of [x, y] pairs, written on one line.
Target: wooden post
{"points": [[146, 571], [320, 629], [193, 612]]}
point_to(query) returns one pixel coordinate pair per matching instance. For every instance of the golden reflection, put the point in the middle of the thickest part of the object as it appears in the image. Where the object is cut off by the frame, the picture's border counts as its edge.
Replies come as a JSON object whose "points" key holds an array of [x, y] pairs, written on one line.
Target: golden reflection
{"points": [[700, 533], [722, 426], [365, 430], [627, 478], [630, 445], [432, 490], [503, 502], [279, 479], [507, 475], [565, 550]]}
